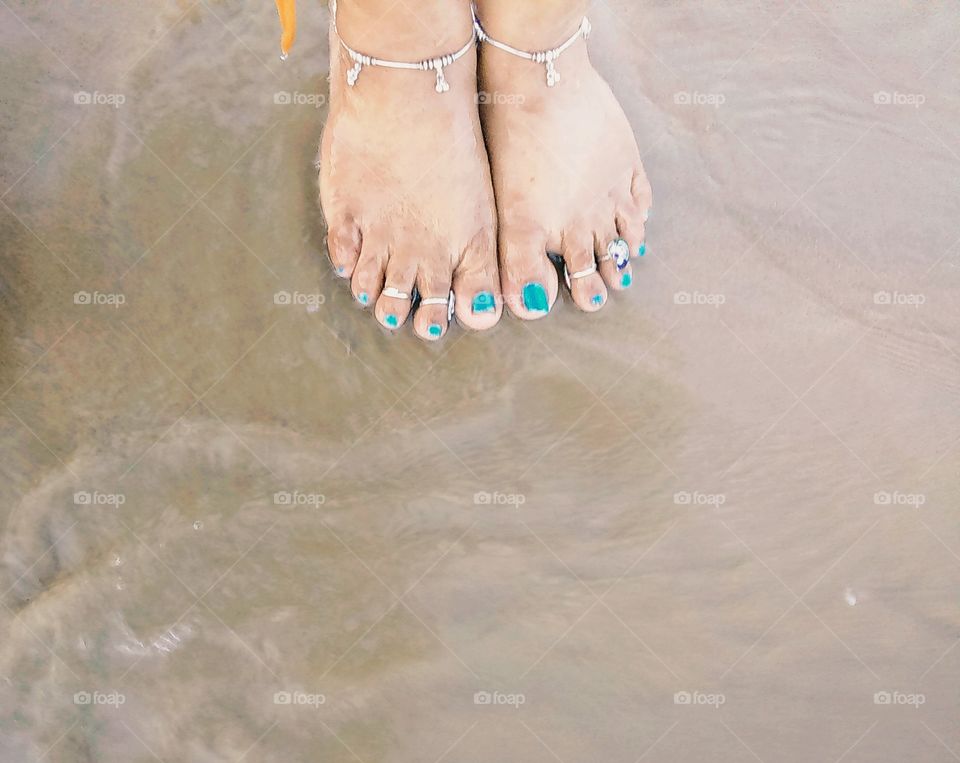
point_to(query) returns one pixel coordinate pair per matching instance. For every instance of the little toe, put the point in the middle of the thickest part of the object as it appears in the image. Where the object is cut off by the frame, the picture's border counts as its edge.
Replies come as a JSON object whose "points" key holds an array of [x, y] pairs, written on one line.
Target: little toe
{"points": [[527, 276], [586, 285], [343, 245], [395, 300], [476, 284], [632, 230]]}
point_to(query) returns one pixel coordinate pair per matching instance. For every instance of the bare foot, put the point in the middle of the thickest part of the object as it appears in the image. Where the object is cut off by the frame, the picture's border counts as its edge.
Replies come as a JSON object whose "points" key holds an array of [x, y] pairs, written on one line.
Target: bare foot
{"points": [[566, 168], [404, 180]]}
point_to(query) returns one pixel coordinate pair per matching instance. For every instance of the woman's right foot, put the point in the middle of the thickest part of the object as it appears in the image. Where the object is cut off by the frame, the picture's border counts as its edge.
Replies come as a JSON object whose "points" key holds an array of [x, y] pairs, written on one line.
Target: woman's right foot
{"points": [[404, 178], [565, 163]]}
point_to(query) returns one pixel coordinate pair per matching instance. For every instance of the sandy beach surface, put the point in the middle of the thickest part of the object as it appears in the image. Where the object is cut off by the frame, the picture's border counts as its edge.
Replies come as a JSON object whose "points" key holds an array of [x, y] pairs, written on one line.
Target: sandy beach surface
{"points": [[716, 521]]}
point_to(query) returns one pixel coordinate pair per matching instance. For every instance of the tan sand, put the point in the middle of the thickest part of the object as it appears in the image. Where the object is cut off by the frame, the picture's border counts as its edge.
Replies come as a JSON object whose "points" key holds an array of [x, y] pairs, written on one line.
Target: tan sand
{"points": [[736, 485]]}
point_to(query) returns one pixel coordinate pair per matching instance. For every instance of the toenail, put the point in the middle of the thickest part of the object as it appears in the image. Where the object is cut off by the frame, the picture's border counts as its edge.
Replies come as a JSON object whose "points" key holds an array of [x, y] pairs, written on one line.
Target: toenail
{"points": [[597, 299], [363, 298], [339, 269], [391, 321], [535, 298], [435, 329], [484, 302], [642, 250], [625, 280]]}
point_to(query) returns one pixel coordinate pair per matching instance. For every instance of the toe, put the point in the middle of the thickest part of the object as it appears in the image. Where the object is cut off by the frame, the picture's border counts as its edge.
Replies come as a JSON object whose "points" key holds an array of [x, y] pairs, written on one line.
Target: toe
{"points": [[401, 275], [631, 228], [615, 278], [527, 277], [367, 280], [432, 318], [476, 284], [343, 245], [586, 285]]}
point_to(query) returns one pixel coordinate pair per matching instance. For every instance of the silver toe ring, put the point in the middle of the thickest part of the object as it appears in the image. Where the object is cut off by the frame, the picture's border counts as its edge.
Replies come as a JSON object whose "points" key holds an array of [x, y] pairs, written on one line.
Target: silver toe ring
{"points": [[449, 301], [568, 276], [391, 291], [619, 251]]}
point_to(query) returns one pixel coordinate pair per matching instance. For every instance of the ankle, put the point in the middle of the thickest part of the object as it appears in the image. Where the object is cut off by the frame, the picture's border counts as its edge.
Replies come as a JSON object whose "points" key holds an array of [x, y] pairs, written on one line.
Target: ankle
{"points": [[389, 30], [531, 25]]}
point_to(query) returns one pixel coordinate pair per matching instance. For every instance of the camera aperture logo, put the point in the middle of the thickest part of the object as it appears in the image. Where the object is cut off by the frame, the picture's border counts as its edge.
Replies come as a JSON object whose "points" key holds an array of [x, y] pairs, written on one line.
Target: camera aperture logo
{"points": [[296, 98], [298, 498], [299, 698], [96, 498], [899, 698], [484, 498], [699, 698], [109, 698], [499, 698], [96, 98]]}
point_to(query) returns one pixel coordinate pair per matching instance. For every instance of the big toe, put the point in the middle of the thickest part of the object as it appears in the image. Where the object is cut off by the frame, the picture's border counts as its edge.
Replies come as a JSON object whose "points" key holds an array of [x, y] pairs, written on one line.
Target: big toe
{"points": [[527, 277], [476, 284]]}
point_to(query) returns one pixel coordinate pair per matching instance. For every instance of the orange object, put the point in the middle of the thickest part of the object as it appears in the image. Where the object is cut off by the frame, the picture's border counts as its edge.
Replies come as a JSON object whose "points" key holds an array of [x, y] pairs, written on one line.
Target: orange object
{"points": [[288, 25]]}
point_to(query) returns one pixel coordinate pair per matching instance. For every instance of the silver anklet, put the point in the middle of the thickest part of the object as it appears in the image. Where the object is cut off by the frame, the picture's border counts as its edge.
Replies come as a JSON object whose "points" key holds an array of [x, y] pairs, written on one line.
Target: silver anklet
{"points": [[547, 57], [436, 64]]}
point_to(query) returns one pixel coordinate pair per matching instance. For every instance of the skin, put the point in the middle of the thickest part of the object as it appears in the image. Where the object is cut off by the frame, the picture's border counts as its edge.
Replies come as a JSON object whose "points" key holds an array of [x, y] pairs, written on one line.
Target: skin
{"points": [[405, 182], [566, 168], [411, 196]]}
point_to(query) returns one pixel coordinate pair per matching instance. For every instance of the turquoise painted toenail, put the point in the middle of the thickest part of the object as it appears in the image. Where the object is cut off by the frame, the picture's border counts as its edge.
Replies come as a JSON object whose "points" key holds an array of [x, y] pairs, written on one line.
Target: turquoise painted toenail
{"points": [[626, 280], [535, 298], [484, 302], [435, 329], [363, 297], [340, 268], [597, 299], [642, 250], [392, 321]]}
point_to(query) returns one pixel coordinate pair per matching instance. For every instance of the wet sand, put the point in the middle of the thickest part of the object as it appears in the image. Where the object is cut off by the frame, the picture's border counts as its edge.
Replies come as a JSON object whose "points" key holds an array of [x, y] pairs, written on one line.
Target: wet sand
{"points": [[716, 521]]}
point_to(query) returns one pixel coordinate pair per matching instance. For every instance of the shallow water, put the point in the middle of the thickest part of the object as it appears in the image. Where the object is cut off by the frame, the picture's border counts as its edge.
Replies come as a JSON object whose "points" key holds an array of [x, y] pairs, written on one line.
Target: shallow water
{"points": [[209, 498]]}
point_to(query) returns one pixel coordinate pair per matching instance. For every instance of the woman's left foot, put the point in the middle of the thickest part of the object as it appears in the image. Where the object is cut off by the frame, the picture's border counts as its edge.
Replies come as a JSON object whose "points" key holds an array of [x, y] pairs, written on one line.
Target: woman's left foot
{"points": [[566, 169]]}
